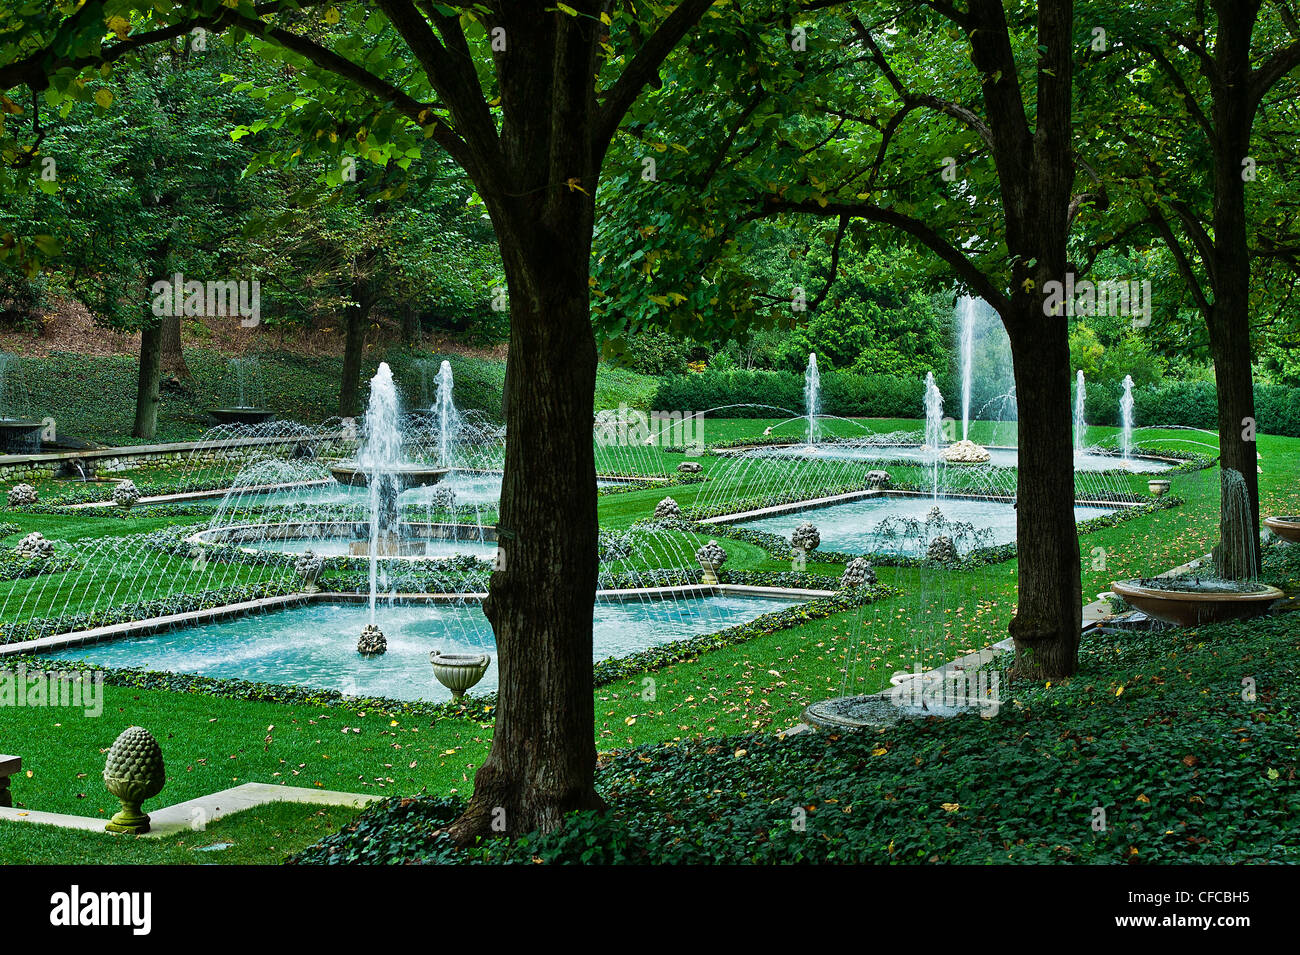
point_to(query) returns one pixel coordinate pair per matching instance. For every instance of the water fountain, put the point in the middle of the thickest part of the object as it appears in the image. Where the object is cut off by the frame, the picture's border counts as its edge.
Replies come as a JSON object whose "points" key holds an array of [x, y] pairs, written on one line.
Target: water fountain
{"points": [[1126, 420], [1231, 592], [18, 434], [812, 388], [381, 456], [933, 427], [448, 419], [249, 407], [966, 322], [1080, 428]]}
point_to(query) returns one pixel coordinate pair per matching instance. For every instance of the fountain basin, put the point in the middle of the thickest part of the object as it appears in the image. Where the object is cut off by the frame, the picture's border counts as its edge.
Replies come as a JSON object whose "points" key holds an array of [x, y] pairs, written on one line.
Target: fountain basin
{"points": [[851, 523], [20, 436], [1286, 527], [1183, 606], [408, 475], [315, 645], [242, 415]]}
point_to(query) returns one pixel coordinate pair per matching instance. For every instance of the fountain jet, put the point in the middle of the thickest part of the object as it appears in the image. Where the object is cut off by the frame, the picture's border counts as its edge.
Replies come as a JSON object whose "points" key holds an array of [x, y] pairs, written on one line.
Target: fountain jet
{"points": [[1080, 427], [1126, 419], [812, 395]]}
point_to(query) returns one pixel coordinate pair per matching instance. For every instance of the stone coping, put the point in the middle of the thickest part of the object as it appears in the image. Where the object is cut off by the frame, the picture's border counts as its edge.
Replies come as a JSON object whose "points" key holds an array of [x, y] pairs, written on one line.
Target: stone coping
{"points": [[820, 502], [145, 450], [152, 625], [197, 495], [193, 814]]}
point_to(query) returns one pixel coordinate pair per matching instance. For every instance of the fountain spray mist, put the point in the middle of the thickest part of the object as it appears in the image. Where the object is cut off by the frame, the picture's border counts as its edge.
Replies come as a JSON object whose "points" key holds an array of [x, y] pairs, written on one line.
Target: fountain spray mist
{"points": [[933, 426], [379, 457], [966, 314], [1080, 427], [812, 395], [447, 415], [1126, 418]]}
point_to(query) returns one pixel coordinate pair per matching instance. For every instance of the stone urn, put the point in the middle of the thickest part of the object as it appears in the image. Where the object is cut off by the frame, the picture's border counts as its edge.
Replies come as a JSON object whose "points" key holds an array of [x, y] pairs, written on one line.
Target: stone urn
{"points": [[372, 642], [1158, 486], [133, 773], [35, 547], [459, 671], [878, 479], [711, 557]]}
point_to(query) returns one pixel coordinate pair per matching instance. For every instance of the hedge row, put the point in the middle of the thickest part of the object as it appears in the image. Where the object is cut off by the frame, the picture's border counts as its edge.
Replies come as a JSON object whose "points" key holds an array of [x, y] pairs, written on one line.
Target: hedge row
{"points": [[1191, 404]]}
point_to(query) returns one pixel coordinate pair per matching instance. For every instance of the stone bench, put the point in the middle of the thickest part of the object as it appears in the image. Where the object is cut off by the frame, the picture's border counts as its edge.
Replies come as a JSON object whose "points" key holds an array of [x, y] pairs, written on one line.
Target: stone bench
{"points": [[8, 766]]}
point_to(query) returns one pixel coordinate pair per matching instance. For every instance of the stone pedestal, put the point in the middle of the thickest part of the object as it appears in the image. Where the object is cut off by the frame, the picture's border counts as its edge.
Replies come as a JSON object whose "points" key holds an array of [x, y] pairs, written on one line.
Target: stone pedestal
{"points": [[9, 765]]}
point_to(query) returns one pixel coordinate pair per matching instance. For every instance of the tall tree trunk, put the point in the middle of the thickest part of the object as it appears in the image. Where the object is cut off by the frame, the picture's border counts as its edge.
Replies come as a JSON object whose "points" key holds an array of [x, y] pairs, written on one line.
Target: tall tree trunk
{"points": [[1049, 611], [410, 325], [354, 341], [173, 356], [1229, 318], [1036, 176], [540, 605], [146, 395]]}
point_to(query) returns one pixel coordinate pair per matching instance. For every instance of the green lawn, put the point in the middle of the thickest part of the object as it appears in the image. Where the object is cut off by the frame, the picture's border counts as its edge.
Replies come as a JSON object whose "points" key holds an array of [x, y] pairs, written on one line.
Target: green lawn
{"points": [[759, 686]]}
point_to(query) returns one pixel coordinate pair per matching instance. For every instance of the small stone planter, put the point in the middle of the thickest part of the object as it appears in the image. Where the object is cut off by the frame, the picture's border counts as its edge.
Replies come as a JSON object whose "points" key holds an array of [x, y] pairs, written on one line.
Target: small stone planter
{"points": [[711, 557], [459, 671], [1158, 486]]}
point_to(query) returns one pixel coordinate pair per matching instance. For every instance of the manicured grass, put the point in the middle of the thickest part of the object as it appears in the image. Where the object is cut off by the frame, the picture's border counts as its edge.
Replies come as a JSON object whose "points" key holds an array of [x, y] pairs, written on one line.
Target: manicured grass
{"points": [[252, 837]]}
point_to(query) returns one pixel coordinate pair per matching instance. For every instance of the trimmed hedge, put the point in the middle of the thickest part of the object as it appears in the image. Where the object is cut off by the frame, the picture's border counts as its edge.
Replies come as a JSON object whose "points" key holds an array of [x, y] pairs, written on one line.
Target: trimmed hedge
{"points": [[1190, 404]]}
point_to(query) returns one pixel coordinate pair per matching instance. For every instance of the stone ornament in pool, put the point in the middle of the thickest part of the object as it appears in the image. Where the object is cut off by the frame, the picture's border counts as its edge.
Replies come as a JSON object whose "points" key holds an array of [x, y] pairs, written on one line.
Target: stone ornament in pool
{"points": [[372, 642]]}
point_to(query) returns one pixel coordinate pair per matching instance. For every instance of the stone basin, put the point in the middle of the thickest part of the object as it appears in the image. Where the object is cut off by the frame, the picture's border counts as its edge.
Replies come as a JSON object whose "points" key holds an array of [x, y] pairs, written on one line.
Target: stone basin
{"points": [[1189, 608], [1287, 527], [408, 475]]}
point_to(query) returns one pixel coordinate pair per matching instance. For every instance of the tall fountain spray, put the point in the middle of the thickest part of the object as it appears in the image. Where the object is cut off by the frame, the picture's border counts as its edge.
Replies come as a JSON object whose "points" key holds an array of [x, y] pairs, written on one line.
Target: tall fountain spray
{"points": [[966, 317], [380, 457], [448, 417], [1126, 418], [812, 395], [933, 426], [1080, 427]]}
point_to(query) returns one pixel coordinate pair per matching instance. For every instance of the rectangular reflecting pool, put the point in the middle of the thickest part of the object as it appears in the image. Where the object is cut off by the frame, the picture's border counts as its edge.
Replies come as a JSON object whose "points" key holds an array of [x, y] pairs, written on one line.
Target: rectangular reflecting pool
{"points": [[879, 524], [315, 645]]}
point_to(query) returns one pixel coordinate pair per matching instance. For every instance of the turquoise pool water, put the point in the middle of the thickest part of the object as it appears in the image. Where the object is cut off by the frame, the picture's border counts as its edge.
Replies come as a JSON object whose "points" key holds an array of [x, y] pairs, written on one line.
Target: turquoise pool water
{"points": [[315, 645], [856, 527]]}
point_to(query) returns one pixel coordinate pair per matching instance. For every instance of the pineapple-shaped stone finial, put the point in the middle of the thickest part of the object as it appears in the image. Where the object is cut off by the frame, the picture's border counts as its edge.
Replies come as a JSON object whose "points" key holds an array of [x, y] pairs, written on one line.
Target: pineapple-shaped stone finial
{"points": [[133, 773]]}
